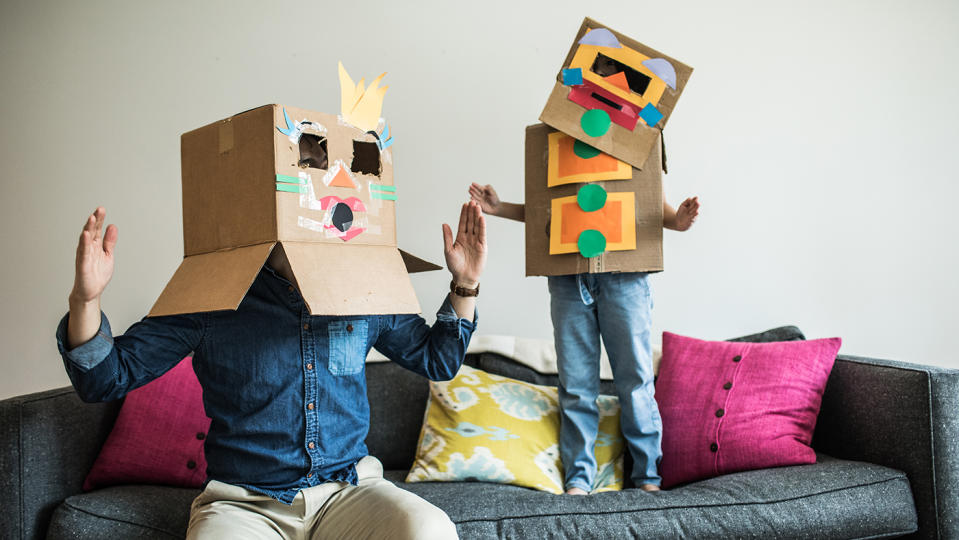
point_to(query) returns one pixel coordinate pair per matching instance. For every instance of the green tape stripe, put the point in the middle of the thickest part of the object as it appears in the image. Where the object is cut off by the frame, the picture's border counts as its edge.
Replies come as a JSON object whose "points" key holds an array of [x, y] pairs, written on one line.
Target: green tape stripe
{"points": [[378, 187], [384, 196], [290, 179], [290, 188]]}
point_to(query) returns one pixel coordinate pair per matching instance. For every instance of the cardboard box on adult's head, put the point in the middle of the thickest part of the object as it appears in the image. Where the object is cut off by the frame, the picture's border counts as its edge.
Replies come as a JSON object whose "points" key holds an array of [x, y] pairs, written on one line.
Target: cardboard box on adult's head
{"points": [[317, 187], [588, 212], [615, 93]]}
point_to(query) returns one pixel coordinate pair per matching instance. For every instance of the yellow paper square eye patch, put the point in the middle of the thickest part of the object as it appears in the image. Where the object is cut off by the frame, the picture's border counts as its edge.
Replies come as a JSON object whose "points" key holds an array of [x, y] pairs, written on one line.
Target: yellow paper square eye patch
{"points": [[571, 161], [615, 221]]}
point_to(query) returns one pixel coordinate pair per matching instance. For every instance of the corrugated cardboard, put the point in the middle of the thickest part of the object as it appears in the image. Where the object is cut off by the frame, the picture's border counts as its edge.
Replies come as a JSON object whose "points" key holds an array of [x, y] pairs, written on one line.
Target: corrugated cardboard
{"points": [[632, 146], [648, 188], [247, 191]]}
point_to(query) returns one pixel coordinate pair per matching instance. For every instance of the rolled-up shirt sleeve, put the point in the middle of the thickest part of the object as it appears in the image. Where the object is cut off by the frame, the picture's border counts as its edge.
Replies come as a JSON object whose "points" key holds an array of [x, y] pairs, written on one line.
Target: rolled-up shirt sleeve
{"points": [[107, 367], [437, 351]]}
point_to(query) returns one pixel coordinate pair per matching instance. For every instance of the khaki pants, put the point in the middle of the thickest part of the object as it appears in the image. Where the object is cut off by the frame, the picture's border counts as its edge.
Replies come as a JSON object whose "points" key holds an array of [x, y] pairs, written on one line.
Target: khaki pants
{"points": [[375, 509]]}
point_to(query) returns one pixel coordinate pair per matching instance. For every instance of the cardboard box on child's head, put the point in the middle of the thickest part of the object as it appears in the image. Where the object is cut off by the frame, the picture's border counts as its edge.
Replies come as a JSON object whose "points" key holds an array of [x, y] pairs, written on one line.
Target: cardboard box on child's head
{"points": [[614, 93], [312, 188], [588, 212]]}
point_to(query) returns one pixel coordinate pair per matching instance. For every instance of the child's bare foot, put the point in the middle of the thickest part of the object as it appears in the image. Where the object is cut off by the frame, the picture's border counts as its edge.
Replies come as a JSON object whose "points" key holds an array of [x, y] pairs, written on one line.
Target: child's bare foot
{"points": [[576, 491], [649, 487]]}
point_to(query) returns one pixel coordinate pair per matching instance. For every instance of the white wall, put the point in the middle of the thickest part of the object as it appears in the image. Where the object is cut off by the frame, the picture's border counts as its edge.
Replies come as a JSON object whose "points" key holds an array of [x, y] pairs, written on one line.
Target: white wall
{"points": [[822, 138]]}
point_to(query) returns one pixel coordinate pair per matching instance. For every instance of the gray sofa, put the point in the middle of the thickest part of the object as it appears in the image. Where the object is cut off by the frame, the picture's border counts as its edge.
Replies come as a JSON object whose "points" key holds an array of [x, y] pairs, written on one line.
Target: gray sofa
{"points": [[887, 439]]}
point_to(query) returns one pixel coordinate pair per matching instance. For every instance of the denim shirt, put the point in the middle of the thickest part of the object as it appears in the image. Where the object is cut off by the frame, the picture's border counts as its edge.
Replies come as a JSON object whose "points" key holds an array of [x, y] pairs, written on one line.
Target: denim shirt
{"points": [[285, 390]]}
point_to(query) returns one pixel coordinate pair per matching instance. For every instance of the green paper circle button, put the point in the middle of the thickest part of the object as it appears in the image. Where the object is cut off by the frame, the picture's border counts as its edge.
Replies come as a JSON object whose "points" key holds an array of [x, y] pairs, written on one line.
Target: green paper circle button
{"points": [[584, 151], [595, 122], [591, 197], [591, 243]]}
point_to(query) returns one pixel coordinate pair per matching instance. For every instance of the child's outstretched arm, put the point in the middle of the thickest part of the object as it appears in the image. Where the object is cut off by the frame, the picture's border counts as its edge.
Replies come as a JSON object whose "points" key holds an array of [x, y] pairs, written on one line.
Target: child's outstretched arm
{"points": [[682, 218], [490, 204]]}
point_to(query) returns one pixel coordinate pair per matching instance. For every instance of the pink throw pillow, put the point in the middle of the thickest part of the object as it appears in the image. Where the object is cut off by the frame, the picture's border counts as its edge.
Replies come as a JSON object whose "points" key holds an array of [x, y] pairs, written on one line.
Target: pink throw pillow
{"points": [[158, 435], [733, 406]]}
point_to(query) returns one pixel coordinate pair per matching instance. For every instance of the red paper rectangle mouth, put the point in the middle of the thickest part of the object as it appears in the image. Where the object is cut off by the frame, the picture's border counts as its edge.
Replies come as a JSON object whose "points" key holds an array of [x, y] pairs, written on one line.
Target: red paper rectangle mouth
{"points": [[592, 96]]}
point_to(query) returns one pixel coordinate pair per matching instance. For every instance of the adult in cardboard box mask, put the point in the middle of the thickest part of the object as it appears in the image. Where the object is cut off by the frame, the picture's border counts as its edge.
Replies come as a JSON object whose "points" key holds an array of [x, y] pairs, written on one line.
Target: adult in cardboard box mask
{"points": [[282, 368]]}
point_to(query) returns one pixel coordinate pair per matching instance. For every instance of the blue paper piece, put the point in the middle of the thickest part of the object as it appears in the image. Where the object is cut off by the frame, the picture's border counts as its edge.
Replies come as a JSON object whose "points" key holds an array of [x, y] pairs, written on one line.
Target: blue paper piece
{"points": [[290, 127], [650, 114], [662, 69], [601, 37], [383, 140], [572, 76]]}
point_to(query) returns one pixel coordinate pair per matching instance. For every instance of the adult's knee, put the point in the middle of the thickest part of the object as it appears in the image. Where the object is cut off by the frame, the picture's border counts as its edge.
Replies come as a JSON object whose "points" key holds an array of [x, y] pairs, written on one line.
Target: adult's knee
{"points": [[427, 525]]}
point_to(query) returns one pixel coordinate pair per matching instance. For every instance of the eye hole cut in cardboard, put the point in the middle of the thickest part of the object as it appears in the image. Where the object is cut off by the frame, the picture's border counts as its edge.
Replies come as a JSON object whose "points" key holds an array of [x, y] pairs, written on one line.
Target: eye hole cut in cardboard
{"points": [[620, 75], [366, 158], [313, 153]]}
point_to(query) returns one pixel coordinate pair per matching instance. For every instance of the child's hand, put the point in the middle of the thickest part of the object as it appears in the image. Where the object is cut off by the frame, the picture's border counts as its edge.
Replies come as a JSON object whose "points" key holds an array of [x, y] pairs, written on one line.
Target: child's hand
{"points": [[486, 197], [686, 214]]}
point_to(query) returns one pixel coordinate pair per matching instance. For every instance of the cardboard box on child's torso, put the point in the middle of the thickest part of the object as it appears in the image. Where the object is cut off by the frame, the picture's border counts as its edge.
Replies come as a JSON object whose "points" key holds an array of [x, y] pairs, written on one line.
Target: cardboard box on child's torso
{"points": [[630, 218]]}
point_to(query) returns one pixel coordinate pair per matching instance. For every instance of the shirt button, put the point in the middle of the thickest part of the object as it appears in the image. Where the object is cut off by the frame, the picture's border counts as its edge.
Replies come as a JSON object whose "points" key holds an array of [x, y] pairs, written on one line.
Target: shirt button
{"points": [[191, 464], [311, 445], [309, 406], [737, 358], [309, 475], [290, 288], [200, 435], [714, 447], [309, 366], [349, 328], [720, 413], [306, 326], [727, 386]]}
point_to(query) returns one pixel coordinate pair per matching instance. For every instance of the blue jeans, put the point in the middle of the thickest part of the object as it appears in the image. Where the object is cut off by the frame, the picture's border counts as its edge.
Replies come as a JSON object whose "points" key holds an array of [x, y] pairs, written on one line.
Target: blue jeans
{"points": [[617, 307]]}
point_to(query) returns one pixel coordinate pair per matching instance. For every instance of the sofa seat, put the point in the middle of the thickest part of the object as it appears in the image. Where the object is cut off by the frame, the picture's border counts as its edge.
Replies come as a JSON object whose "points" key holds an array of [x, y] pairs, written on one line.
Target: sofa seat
{"points": [[831, 499]]}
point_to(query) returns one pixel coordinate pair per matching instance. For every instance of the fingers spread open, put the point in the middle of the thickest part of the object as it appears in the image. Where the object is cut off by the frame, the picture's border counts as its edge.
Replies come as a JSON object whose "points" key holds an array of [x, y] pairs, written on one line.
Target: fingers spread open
{"points": [[110, 239], [471, 218], [480, 227], [447, 238], [100, 214], [463, 227]]}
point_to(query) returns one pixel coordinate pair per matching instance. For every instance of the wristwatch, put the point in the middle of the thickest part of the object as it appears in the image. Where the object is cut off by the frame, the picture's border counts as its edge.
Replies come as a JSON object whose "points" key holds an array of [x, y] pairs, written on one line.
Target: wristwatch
{"points": [[463, 291]]}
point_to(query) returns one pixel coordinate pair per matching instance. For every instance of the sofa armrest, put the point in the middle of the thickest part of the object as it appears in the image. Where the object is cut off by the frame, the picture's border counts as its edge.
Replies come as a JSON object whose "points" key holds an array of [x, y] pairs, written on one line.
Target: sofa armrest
{"points": [[904, 416], [48, 442]]}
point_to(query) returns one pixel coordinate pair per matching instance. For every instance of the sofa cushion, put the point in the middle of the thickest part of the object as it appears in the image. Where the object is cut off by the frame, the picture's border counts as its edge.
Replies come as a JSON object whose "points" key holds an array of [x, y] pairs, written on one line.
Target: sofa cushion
{"points": [[158, 435], [729, 407], [830, 499], [130, 511], [491, 428]]}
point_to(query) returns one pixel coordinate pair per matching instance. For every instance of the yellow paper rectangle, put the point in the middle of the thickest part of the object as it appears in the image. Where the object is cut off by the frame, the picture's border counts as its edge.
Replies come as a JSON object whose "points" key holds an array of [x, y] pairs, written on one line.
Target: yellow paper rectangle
{"points": [[586, 55], [623, 170], [628, 224]]}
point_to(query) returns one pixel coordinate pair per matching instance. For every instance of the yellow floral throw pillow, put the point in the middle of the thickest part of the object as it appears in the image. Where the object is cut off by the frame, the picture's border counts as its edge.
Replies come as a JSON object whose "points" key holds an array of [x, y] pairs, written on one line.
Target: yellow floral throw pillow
{"points": [[489, 428]]}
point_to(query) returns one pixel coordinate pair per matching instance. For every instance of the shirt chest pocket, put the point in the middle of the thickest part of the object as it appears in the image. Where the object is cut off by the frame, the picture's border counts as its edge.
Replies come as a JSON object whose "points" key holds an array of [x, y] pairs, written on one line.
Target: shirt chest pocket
{"points": [[347, 347]]}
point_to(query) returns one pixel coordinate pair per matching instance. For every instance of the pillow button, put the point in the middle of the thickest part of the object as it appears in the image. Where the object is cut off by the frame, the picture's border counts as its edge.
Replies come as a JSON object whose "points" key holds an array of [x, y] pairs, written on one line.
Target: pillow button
{"points": [[728, 385], [191, 464], [737, 358], [349, 328], [720, 413], [200, 435], [713, 447]]}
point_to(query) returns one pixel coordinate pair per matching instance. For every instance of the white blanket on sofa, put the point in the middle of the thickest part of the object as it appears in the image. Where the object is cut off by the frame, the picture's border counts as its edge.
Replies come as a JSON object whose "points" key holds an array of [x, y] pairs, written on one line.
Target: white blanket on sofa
{"points": [[538, 354]]}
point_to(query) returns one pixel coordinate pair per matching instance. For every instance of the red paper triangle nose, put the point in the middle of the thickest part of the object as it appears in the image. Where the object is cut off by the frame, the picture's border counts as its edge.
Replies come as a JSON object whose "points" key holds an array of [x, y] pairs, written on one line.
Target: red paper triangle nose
{"points": [[618, 80]]}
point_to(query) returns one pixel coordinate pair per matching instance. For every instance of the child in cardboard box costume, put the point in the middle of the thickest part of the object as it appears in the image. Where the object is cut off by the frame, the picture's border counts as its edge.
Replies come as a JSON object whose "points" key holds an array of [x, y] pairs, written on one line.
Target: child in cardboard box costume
{"points": [[280, 348], [594, 214]]}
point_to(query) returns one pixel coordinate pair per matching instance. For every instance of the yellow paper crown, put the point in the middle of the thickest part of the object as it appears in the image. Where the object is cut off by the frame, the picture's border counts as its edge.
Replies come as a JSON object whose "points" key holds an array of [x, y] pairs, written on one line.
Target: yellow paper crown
{"points": [[358, 106]]}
